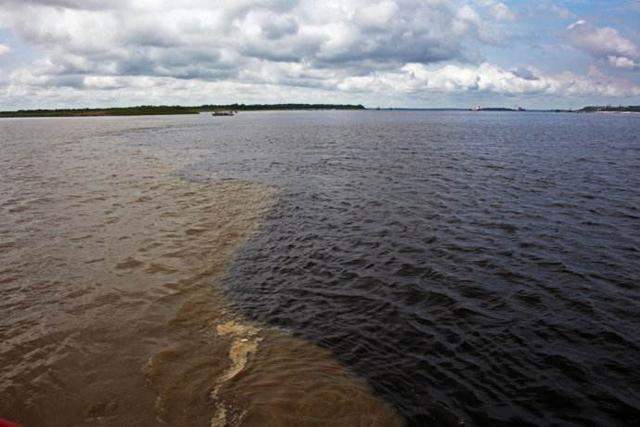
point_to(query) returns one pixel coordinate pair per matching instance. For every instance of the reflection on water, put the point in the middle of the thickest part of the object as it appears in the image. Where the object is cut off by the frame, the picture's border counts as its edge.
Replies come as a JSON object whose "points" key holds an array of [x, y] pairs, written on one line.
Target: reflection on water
{"points": [[110, 309]]}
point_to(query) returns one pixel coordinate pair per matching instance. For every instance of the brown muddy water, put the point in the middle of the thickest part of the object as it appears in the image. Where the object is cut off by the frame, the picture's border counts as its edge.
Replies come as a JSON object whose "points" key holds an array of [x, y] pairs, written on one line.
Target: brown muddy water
{"points": [[111, 313]]}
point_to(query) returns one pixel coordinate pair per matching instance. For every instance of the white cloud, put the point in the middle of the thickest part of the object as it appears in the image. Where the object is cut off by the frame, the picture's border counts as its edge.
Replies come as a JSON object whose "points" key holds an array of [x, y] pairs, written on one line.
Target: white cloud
{"points": [[377, 15], [4, 49], [145, 37], [604, 43], [621, 62], [499, 10], [420, 79], [301, 43], [279, 49], [576, 24]]}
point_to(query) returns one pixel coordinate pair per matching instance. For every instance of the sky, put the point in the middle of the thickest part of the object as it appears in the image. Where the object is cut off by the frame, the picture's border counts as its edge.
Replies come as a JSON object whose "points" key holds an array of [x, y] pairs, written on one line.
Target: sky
{"points": [[380, 53]]}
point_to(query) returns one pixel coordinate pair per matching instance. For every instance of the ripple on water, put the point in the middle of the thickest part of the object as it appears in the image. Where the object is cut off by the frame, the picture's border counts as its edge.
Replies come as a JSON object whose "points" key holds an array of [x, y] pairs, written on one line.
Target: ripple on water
{"points": [[111, 310], [453, 260], [467, 265]]}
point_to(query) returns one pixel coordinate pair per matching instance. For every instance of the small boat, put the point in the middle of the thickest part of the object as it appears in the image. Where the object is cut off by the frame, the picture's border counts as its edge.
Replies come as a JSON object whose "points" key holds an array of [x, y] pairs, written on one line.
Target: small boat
{"points": [[223, 113]]}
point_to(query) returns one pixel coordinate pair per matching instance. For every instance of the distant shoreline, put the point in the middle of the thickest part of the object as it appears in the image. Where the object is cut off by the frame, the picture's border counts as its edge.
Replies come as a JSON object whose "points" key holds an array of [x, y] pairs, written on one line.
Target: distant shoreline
{"points": [[589, 109], [152, 110], [610, 109]]}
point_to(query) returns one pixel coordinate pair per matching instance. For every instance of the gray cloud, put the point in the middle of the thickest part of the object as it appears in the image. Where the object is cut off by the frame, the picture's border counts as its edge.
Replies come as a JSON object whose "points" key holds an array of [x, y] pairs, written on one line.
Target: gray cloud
{"points": [[305, 31], [524, 73], [65, 4]]}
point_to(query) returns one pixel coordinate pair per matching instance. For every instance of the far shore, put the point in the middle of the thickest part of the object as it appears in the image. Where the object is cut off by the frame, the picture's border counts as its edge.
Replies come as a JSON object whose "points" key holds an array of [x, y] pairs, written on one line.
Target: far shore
{"points": [[152, 110]]}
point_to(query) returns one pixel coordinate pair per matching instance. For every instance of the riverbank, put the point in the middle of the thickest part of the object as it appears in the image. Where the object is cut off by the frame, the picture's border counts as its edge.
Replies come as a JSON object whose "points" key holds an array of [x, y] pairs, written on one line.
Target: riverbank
{"points": [[153, 110]]}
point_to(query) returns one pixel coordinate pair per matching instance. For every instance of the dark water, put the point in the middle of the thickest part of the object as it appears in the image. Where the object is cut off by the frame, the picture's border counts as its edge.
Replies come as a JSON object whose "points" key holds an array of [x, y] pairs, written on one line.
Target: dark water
{"points": [[471, 266]]}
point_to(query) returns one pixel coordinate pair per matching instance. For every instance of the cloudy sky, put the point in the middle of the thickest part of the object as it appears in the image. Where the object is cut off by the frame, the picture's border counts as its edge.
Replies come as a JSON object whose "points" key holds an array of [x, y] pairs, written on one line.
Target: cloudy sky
{"points": [[410, 53]]}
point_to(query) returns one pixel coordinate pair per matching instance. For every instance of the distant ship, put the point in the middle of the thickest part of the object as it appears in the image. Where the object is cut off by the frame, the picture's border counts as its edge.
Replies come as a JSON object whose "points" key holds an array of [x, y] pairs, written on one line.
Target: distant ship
{"points": [[223, 113]]}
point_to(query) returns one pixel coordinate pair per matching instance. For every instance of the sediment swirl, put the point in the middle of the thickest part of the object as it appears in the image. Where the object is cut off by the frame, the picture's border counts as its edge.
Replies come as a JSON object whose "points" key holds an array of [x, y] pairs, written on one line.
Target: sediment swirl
{"points": [[109, 283]]}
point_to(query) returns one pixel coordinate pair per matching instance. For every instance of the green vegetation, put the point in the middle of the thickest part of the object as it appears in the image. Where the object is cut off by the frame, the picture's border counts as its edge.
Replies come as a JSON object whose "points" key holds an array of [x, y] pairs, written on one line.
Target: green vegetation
{"points": [[143, 110], [494, 109], [276, 107], [609, 108], [125, 111], [589, 109]]}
